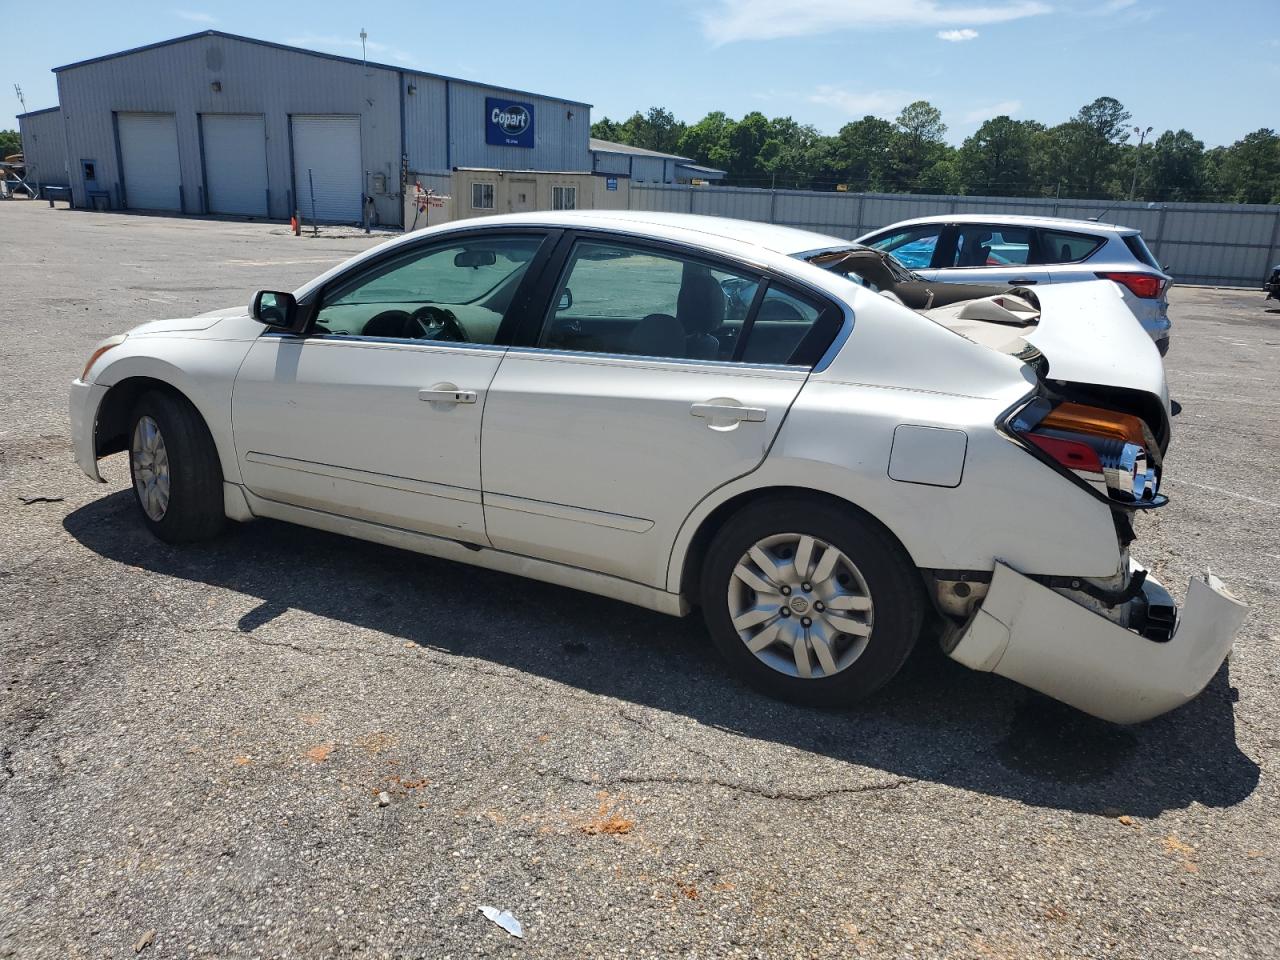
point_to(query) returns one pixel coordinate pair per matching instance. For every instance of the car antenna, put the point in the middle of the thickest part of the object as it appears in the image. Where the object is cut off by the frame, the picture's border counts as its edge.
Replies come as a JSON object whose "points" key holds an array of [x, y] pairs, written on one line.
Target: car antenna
{"points": [[1105, 210]]}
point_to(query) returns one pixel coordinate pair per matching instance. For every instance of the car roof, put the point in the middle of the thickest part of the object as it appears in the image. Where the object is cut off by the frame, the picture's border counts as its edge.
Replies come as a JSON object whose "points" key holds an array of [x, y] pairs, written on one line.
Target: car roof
{"points": [[1020, 220], [675, 226], [746, 239]]}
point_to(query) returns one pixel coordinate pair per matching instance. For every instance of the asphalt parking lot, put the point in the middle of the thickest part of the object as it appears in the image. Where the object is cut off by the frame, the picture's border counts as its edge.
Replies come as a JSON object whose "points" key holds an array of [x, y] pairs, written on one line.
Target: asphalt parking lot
{"points": [[194, 740]]}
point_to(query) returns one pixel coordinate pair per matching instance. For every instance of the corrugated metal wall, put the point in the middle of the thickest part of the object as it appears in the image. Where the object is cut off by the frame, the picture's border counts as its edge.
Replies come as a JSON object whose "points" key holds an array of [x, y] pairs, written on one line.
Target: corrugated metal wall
{"points": [[560, 130], [605, 162], [1213, 243], [254, 78], [44, 147]]}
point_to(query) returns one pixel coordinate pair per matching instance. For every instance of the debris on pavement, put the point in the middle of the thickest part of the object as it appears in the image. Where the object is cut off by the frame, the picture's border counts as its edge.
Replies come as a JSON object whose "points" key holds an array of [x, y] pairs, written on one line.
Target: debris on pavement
{"points": [[144, 941], [504, 919], [384, 799], [28, 501]]}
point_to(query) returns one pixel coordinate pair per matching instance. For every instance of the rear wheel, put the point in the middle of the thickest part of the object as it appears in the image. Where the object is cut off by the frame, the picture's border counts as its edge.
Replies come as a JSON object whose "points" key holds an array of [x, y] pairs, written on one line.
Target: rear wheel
{"points": [[177, 478], [810, 602]]}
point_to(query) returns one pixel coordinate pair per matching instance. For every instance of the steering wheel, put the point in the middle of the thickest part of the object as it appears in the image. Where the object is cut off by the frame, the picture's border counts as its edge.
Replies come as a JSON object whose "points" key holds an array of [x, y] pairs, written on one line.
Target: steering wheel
{"points": [[435, 323]]}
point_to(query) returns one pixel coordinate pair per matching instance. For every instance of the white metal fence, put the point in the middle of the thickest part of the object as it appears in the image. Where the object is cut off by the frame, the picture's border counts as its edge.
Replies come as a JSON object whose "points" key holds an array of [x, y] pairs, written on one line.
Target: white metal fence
{"points": [[1211, 243]]}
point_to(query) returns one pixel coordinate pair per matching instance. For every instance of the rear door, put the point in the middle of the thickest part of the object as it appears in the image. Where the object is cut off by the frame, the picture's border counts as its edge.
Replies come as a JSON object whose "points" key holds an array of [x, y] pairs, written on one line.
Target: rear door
{"points": [[989, 253], [654, 376]]}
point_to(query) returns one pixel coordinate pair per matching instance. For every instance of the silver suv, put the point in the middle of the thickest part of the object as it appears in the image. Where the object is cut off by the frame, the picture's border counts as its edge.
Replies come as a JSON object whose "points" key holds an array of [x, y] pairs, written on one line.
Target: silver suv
{"points": [[973, 248]]}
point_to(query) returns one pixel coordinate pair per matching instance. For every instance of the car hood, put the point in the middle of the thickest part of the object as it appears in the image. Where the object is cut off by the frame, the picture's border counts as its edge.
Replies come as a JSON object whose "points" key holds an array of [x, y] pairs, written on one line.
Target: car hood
{"points": [[202, 321]]}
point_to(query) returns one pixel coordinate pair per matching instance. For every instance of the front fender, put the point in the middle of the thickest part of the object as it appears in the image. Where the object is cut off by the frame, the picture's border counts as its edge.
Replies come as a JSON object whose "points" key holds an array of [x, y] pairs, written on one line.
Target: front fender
{"points": [[201, 370]]}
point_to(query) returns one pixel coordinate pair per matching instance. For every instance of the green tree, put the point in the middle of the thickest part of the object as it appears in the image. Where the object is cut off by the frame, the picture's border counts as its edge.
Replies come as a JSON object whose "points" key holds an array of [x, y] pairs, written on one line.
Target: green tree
{"points": [[1171, 168], [1088, 148], [606, 129], [709, 141], [918, 144], [656, 129], [10, 142], [1250, 168], [862, 153], [998, 159]]}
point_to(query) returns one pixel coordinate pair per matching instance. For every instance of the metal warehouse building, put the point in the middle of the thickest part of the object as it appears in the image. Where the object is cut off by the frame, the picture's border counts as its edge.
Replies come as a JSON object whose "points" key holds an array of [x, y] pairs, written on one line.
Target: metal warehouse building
{"points": [[214, 123]]}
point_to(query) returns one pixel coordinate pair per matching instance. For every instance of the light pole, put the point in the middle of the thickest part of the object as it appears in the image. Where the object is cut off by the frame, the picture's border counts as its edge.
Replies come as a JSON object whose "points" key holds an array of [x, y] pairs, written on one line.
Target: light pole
{"points": [[1137, 160]]}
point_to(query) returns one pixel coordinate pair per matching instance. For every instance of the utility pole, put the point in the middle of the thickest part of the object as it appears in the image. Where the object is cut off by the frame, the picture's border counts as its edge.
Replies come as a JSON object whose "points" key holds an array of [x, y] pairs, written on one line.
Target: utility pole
{"points": [[364, 58], [1137, 160], [21, 99]]}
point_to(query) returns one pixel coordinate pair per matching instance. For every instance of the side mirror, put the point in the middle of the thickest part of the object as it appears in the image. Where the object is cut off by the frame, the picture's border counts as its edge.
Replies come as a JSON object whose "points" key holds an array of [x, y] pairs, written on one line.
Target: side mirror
{"points": [[566, 299], [274, 309]]}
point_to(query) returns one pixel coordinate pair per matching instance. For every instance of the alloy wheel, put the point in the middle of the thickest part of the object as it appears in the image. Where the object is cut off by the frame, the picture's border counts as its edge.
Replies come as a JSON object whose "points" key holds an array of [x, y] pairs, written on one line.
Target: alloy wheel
{"points": [[800, 605], [150, 461]]}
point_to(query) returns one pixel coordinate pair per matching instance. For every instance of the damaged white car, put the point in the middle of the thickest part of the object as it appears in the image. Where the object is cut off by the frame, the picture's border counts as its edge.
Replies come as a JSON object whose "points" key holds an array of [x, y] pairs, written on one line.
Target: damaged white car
{"points": [[686, 412]]}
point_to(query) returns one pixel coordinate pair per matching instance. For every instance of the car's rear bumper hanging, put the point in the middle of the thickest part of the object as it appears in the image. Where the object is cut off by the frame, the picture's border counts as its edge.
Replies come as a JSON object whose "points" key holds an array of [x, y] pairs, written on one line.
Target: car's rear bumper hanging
{"points": [[1043, 640]]}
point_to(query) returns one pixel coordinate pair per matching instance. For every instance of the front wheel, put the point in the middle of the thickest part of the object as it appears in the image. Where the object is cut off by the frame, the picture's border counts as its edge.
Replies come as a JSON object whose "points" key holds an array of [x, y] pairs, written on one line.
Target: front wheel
{"points": [[177, 477], [810, 602]]}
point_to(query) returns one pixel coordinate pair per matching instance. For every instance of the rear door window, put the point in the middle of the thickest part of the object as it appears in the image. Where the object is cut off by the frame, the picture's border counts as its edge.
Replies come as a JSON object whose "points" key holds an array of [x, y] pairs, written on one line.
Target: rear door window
{"points": [[989, 245], [617, 298], [789, 328], [1059, 247]]}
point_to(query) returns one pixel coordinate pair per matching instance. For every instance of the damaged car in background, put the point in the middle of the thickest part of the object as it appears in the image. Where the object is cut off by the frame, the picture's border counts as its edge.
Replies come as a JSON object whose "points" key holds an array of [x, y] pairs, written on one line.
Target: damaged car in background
{"points": [[689, 413]]}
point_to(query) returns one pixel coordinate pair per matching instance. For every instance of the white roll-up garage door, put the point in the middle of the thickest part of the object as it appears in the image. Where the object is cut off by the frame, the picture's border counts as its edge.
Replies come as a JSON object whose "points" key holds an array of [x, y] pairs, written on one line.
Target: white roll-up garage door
{"points": [[326, 168], [149, 153], [235, 163]]}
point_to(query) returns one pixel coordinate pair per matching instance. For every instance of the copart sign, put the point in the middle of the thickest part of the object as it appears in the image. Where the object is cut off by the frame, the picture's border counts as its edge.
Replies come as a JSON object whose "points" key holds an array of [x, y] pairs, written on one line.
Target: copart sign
{"points": [[508, 123]]}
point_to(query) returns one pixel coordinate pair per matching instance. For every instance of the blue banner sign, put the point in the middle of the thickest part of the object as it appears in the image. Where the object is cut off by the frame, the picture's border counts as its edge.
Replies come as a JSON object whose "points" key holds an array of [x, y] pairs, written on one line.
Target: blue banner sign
{"points": [[508, 123]]}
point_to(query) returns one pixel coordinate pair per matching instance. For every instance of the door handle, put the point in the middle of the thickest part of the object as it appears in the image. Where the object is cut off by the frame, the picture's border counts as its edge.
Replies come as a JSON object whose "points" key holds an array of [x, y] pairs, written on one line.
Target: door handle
{"points": [[446, 393], [728, 411], [1023, 283]]}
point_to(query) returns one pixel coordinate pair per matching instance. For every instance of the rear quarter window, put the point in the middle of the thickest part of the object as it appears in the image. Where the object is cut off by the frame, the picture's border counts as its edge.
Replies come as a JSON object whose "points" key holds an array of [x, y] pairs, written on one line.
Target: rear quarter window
{"points": [[1138, 247], [1059, 247]]}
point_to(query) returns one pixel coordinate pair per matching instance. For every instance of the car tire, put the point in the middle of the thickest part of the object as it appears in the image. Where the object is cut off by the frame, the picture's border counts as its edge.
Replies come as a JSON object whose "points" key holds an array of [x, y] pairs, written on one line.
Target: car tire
{"points": [[174, 466], [871, 581]]}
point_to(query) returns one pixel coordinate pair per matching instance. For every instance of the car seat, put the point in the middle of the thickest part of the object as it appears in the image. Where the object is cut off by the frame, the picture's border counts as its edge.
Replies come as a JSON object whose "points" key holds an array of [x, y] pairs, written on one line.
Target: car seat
{"points": [[700, 309]]}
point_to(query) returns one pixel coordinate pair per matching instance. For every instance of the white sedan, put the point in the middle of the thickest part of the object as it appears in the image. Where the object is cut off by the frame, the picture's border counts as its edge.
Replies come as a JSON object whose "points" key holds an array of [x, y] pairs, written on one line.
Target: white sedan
{"points": [[685, 412]]}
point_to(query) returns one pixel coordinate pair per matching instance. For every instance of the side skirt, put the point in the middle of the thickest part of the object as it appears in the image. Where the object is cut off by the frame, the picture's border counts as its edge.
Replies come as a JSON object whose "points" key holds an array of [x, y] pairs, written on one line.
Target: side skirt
{"points": [[561, 575]]}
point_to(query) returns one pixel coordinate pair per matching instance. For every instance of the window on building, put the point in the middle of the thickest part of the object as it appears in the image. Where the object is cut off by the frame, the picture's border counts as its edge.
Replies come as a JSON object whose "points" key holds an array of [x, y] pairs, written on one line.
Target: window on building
{"points": [[482, 196], [564, 198]]}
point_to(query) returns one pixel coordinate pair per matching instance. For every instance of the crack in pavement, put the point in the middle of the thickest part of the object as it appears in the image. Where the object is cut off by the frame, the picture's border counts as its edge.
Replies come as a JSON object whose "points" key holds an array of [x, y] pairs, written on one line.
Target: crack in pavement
{"points": [[732, 786]]}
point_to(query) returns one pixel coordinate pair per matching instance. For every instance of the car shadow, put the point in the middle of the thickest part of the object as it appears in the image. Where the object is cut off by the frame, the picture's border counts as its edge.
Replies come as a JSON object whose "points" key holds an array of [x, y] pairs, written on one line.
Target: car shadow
{"points": [[937, 721]]}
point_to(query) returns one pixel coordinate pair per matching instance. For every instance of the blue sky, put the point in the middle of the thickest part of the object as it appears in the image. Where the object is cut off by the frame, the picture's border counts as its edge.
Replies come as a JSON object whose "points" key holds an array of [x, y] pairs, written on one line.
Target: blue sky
{"points": [[1212, 68]]}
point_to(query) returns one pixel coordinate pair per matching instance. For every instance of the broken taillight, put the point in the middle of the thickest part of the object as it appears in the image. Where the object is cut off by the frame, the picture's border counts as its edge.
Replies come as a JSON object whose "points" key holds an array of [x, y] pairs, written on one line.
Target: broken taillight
{"points": [[1107, 450], [1145, 285]]}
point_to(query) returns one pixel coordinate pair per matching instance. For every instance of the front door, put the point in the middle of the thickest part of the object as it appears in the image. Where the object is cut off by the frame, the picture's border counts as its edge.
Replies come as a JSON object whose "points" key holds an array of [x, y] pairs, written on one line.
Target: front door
{"points": [[637, 397], [375, 413]]}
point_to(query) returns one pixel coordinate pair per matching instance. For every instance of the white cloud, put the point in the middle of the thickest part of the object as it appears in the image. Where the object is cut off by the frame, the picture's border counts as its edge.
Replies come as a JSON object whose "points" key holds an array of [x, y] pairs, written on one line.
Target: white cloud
{"points": [[734, 20], [1005, 108], [859, 103], [195, 16], [958, 36]]}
